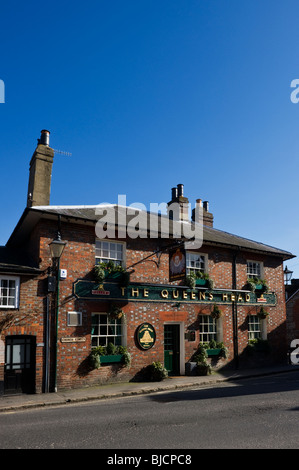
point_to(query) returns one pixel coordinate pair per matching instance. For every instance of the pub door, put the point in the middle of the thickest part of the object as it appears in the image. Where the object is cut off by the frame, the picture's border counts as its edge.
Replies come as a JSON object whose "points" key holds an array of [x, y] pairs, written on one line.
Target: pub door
{"points": [[19, 372], [172, 348]]}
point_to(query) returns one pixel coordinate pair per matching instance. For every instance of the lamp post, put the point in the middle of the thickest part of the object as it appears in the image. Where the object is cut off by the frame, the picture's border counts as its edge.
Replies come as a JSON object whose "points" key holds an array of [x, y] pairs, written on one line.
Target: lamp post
{"points": [[56, 248], [287, 275]]}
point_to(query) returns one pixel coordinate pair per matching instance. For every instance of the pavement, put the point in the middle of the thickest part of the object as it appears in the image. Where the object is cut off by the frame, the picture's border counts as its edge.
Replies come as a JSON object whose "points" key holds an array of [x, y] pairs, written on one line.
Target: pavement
{"points": [[10, 403]]}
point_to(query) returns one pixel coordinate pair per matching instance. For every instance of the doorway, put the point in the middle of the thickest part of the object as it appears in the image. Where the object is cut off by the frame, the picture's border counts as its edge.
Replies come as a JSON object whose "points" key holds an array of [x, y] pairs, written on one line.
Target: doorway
{"points": [[172, 348], [19, 372]]}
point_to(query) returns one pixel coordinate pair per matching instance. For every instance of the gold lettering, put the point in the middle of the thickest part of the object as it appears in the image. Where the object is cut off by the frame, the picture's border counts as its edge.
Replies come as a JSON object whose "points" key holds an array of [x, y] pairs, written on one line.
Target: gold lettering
{"points": [[247, 298], [175, 294], [193, 295], [122, 291], [145, 293], [224, 297], [185, 295], [202, 296], [135, 292], [240, 298], [164, 293], [210, 296], [233, 298]]}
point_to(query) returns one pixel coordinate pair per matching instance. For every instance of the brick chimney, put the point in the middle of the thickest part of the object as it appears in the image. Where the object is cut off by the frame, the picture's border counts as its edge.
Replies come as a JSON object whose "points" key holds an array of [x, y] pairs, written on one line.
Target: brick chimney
{"points": [[40, 172], [178, 211], [207, 217]]}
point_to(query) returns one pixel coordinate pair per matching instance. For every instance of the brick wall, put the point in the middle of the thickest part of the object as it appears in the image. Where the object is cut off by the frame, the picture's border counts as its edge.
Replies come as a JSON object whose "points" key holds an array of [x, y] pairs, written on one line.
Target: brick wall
{"points": [[79, 259]]}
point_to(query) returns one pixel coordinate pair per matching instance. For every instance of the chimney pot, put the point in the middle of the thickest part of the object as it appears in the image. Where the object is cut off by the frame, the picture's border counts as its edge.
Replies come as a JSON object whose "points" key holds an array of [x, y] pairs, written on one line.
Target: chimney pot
{"points": [[44, 138], [180, 190], [174, 194], [206, 206]]}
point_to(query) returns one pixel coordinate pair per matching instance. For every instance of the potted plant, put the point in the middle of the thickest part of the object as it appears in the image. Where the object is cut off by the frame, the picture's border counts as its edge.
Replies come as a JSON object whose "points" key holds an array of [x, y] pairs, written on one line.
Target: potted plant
{"points": [[255, 283], [157, 372], [191, 280], [203, 367], [111, 271], [109, 354]]}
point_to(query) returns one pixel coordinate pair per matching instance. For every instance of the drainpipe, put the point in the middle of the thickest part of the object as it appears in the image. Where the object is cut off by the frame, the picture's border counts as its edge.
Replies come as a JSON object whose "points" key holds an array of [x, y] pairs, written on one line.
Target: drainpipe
{"points": [[235, 312]]}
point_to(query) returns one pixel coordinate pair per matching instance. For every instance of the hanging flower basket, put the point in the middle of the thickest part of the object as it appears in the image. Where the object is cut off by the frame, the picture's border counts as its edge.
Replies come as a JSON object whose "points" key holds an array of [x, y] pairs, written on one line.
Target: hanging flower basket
{"points": [[216, 312], [116, 312]]}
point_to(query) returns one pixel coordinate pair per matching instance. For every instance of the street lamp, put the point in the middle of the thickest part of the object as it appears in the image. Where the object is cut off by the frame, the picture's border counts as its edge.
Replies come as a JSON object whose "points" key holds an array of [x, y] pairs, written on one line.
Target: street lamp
{"points": [[287, 275], [56, 248]]}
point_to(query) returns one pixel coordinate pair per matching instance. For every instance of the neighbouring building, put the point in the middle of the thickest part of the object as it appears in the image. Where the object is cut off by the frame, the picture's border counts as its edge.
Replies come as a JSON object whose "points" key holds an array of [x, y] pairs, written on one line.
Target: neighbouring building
{"points": [[149, 296]]}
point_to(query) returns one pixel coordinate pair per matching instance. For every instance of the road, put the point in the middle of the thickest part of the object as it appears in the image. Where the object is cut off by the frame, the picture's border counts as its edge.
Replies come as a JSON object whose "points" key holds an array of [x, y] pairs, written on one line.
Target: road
{"points": [[248, 414]]}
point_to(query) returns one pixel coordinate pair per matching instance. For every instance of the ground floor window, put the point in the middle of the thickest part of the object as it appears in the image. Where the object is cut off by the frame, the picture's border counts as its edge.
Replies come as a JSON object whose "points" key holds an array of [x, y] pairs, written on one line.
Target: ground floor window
{"points": [[254, 327], [207, 328], [105, 330]]}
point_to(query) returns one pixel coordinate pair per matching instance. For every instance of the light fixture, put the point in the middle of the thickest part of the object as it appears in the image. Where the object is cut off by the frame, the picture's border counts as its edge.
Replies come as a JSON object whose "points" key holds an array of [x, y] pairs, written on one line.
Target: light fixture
{"points": [[56, 247], [287, 275]]}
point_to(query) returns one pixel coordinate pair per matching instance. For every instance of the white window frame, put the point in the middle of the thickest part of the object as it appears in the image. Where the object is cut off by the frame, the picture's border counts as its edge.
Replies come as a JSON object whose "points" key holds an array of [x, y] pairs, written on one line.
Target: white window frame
{"points": [[252, 272], [103, 259], [207, 336], [254, 327], [16, 279], [193, 269], [109, 338], [70, 322]]}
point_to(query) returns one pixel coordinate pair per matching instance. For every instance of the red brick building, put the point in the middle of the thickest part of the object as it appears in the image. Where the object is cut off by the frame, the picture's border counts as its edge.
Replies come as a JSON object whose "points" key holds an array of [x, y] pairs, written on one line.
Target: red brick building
{"points": [[50, 324]]}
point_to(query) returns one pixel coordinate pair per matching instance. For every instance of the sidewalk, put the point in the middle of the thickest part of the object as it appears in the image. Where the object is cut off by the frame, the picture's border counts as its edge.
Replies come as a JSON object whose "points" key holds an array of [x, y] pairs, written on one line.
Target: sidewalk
{"points": [[22, 402]]}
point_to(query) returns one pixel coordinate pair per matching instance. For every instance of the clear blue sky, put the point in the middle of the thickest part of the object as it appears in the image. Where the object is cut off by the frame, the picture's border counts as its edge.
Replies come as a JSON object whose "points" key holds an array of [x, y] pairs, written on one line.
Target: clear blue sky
{"points": [[149, 94]]}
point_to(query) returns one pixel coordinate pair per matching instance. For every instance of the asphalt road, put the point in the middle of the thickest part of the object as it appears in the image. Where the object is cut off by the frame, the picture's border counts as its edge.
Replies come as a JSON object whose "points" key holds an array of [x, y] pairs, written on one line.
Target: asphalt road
{"points": [[260, 413]]}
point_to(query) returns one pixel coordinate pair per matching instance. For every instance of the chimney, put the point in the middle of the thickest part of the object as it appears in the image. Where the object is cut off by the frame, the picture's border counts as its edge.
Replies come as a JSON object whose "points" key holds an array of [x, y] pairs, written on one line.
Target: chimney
{"points": [[207, 217], [178, 207], [40, 172]]}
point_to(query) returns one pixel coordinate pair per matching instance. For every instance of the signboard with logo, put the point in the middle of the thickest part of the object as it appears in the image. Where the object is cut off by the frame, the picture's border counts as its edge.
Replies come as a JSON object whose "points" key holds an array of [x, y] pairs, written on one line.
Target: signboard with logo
{"points": [[146, 336]]}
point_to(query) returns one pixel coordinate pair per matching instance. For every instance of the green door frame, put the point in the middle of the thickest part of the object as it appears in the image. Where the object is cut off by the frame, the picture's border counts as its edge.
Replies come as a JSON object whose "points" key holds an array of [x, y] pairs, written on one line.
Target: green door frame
{"points": [[172, 348]]}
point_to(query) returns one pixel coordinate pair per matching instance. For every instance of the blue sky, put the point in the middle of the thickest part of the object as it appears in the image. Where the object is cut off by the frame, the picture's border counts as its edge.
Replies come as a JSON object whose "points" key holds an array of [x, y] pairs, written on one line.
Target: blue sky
{"points": [[150, 94]]}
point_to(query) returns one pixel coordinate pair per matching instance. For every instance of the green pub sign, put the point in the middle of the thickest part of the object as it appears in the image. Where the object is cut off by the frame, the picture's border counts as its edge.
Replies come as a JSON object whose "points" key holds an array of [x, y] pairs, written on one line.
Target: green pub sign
{"points": [[146, 336]]}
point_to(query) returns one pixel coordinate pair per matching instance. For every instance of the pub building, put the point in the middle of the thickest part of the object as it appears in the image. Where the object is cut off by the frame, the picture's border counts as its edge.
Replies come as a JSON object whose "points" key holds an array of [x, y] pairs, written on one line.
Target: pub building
{"points": [[66, 294]]}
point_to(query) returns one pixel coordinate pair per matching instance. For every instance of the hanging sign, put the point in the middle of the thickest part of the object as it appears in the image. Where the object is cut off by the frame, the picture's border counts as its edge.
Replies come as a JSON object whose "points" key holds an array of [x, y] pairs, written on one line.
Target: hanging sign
{"points": [[146, 336], [177, 264]]}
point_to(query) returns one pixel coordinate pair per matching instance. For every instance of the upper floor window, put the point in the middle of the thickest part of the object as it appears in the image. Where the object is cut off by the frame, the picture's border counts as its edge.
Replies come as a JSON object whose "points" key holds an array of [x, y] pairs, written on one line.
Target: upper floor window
{"points": [[254, 269], [9, 291], [195, 262], [109, 251]]}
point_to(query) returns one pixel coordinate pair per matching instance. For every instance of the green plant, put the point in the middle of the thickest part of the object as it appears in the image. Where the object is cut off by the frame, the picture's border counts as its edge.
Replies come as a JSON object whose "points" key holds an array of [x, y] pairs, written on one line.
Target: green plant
{"points": [[258, 344], [157, 372], [191, 280], [263, 313], [103, 269], [253, 282], [216, 312], [111, 349], [99, 274], [115, 312]]}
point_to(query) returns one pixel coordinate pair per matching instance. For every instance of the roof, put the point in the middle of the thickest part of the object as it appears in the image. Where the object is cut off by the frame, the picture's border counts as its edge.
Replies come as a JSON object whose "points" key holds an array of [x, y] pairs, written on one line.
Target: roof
{"points": [[121, 215], [15, 262]]}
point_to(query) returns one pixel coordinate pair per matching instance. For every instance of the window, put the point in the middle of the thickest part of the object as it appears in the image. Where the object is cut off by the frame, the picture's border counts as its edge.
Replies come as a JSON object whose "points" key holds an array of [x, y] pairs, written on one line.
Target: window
{"points": [[105, 330], [254, 327], [109, 251], [207, 328], [254, 269], [195, 262], [74, 319], [9, 291]]}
